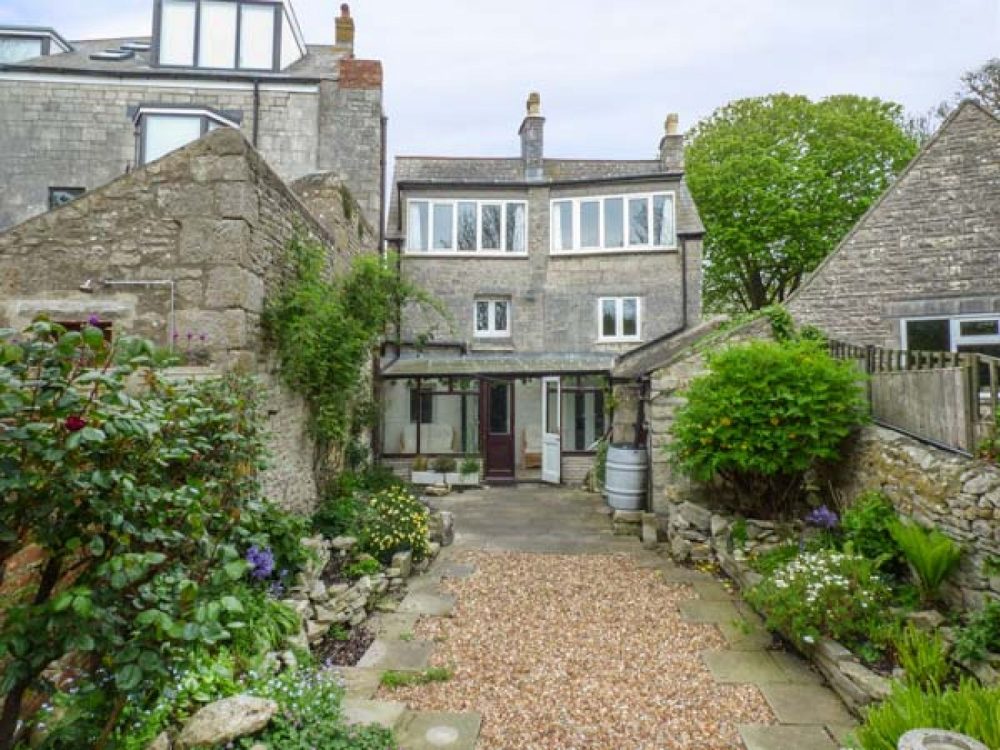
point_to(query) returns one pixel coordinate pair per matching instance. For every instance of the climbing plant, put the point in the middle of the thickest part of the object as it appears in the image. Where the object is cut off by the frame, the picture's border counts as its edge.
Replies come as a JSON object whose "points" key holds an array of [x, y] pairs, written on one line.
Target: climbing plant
{"points": [[325, 325]]}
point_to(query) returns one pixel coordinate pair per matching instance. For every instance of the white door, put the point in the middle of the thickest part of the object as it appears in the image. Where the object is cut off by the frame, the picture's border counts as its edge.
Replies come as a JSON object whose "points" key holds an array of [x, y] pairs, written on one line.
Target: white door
{"points": [[551, 430]]}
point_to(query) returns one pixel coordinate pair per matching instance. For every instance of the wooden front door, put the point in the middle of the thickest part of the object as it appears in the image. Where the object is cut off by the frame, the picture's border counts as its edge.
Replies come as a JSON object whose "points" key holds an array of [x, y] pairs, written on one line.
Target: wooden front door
{"points": [[498, 429]]}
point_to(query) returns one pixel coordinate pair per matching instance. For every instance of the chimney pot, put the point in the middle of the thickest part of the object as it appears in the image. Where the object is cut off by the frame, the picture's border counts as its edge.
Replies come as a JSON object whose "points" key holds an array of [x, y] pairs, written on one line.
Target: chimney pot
{"points": [[534, 104], [672, 123], [345, 28]]}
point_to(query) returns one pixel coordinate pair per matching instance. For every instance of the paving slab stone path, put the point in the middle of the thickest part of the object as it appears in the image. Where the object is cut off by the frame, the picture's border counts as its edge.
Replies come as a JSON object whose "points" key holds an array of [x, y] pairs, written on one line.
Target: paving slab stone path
{"points": [[561, 635]]}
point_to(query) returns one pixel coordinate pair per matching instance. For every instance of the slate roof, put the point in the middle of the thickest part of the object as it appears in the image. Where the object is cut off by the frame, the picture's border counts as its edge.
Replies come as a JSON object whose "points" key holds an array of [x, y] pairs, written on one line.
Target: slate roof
{"points": [[427, 171], [319, 64], [439, 365]]}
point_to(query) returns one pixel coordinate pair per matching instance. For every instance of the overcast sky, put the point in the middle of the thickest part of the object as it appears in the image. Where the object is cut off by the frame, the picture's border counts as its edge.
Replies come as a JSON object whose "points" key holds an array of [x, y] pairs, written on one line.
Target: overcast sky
{"points": [[458, 71]]}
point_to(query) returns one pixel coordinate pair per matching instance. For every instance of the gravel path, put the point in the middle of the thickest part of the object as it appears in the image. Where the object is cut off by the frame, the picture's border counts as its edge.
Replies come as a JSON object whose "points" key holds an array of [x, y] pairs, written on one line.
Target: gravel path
{"points": [[573, 652]]}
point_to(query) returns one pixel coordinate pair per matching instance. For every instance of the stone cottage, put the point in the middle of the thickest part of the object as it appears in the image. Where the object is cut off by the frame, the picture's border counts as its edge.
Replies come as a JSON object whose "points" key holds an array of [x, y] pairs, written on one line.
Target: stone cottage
{"points": [[921, 269], [74, 115], [548, 269]]}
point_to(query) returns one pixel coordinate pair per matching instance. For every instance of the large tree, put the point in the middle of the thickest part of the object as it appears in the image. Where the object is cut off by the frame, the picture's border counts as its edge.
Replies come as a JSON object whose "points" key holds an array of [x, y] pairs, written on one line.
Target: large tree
{"points": [[779, 180]]}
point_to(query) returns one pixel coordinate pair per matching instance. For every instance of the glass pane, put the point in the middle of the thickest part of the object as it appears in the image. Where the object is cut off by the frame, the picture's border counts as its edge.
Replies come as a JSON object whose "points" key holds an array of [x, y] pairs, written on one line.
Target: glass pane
{"points": [[467, 226], [257, 37], [290, 52], [551, 408], [483, 317], [928, 335], [978, 328], [499, 409], [562, 225], [609, 328], [590, 224], [14, 50], [515, 227], [630, 316], [492, 218], [217, 40], [500, 317], [177, 32], [663, 221], [166, 133], [416, 231], [638, 221], [614, 222], [443, 226]]}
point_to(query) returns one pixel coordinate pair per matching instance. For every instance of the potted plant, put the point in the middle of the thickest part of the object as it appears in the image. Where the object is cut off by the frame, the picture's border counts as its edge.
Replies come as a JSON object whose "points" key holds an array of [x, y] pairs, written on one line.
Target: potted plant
{"points": [[445, 467], [420, 473], [469, 471]]}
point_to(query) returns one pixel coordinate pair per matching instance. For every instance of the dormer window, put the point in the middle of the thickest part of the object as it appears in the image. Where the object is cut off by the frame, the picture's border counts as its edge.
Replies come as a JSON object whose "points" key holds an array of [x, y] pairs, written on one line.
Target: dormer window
{"points": [[20, 43], [227, 35]]}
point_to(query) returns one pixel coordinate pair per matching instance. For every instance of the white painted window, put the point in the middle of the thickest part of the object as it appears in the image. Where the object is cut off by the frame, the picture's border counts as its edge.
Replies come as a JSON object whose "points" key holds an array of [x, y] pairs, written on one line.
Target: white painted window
{"points": [[217, 34], [257, 36], [467, 227], [15, 49], [290, 52], [614, 223], [492, 318], [177, 25], [966, 333], [165, 133], [618, 319]]}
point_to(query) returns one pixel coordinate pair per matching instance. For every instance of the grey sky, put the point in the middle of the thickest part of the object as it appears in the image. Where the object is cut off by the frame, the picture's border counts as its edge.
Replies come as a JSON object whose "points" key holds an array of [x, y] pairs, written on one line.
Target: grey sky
{"points": [[458, 71]]}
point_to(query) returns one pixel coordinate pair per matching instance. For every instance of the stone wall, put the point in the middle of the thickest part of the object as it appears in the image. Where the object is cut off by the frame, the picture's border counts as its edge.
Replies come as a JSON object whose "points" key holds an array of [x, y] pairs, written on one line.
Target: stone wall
{"points": [[212, 220], [927, 248]]}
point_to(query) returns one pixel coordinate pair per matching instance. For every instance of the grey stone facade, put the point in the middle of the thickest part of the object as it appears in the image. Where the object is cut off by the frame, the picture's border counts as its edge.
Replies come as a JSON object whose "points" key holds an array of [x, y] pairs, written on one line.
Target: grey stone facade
{"points": [[66, 121], [210, 221], [929, 247]]}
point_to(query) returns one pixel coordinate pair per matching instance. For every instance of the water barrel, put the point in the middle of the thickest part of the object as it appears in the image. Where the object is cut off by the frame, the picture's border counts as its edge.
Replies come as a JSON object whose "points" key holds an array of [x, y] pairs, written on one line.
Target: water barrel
{"points": [[625, 481]]}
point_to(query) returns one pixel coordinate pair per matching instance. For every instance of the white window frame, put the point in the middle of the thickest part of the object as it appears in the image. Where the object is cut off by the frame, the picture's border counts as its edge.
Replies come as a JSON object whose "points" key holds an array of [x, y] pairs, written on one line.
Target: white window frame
{"points": [[955, 329], [209, 121], [504, 204], [492, 333], [619, 336], [578, 248]]}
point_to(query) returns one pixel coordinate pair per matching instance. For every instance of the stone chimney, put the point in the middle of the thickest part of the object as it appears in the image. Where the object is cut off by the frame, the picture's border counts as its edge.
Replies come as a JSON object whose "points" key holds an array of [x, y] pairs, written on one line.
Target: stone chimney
{"points": [[672, 146], [345, 29], [533, 140]]}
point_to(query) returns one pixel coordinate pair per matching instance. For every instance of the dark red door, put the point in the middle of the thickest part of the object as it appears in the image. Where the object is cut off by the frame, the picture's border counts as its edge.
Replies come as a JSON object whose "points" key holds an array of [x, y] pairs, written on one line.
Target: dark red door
{"points": [[498, 411]]}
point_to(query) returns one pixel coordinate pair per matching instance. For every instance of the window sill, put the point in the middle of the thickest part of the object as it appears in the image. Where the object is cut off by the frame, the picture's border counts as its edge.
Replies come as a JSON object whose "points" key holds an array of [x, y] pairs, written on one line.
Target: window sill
{"points": [[618, 341], [455, 254], [613, 251]]}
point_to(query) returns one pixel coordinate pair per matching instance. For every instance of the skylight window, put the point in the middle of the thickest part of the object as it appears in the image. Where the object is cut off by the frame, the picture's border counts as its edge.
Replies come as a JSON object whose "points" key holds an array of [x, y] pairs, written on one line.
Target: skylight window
{"points": [[227, 34]]}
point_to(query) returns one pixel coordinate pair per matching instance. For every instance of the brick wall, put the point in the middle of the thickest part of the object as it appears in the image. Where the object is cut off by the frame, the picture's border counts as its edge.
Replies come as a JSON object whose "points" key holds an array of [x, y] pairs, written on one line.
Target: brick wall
{"points": [[931, 246]]}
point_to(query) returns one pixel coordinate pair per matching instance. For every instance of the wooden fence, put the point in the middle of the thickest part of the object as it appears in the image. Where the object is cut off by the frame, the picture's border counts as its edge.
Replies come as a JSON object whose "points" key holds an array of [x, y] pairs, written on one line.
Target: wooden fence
{"points": [[945, 398]]}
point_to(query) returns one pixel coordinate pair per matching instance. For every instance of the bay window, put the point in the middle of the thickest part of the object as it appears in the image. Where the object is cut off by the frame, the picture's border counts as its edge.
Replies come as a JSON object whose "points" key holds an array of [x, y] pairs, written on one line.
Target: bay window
{"points": [[467, 226], [614, 223], [618, 319]]}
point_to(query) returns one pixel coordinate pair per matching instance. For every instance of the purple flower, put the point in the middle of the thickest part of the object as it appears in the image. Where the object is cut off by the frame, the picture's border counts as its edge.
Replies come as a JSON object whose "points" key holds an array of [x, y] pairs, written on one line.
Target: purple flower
{"points": [[203, 337], [261, 562], [823, 518], [74, 423], [94, 320], [190, 335]]}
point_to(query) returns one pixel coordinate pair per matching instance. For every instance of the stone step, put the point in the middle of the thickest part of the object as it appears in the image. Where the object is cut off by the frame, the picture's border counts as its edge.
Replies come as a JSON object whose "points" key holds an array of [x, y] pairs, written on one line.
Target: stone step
{"points": [[401, 656], [805, 737], [427, 604], [359, 711], [359, 682], [425, 730]]}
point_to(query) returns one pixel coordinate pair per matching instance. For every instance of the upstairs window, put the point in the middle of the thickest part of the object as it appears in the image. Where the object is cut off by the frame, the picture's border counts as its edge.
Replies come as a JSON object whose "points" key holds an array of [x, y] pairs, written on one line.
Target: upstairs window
{"points": [[618, 319], [165, 129], [613, 223], [467, 226], [20, 44], [227, 34], [492, 318]]}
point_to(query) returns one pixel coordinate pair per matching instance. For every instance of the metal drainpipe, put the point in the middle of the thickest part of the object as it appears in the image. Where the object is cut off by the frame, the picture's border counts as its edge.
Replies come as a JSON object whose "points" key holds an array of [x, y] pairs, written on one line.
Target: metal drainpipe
{"points": [[172, 322], [256, 111]]}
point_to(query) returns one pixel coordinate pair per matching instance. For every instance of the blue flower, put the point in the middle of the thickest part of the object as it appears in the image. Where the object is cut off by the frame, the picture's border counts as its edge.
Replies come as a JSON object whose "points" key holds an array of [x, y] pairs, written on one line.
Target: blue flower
{"points": [[261, 562], [823, 518]]}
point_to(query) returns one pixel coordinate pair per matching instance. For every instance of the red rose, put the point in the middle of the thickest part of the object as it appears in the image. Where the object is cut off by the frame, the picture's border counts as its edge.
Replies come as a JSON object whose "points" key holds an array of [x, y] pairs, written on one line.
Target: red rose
{"points": [[74, 423]]}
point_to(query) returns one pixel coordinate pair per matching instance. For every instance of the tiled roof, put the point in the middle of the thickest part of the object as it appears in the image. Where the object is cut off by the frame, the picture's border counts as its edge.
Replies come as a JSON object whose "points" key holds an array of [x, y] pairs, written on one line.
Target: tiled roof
{"points": [[498, 172], [320, 63], [420, 365]]}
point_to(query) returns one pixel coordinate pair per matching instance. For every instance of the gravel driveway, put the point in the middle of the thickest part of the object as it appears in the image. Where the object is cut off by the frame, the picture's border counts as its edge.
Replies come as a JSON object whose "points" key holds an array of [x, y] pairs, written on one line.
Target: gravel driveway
{"points": [[574, 651]]}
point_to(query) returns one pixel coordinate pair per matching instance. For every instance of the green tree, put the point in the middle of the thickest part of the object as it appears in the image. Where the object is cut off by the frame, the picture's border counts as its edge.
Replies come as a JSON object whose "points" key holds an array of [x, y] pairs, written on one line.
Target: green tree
{"points": [[779, 180]]}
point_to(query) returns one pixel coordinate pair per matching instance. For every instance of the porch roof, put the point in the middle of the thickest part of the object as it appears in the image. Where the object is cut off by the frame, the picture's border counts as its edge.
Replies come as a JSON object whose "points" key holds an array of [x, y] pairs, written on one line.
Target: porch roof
{"points": [[492, 363]]}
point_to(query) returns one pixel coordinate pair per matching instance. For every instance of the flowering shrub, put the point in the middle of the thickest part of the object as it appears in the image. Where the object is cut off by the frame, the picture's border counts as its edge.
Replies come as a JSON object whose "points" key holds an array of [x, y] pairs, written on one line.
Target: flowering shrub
{"points": [[394, 521], [824, 593]]}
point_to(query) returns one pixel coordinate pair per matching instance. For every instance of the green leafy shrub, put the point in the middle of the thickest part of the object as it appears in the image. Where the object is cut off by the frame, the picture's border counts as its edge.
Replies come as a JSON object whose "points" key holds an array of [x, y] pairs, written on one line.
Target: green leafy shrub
{"points": [[601, 462], [867, 528], [764, 415], [260, 624], [823, 593], [968, 709], [419, 463], [444, 465], [931, 554], [342, 511], [923, 656], [311, 715], [395, 521], [766, 563], [981, 635], [470, 465], [364, 567]]}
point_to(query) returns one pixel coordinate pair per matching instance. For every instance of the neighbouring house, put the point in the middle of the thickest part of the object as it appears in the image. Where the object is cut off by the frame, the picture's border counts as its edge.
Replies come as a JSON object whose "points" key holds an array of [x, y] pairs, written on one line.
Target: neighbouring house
{"points": [[921, 269], [76, 115], [548, 270]]}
